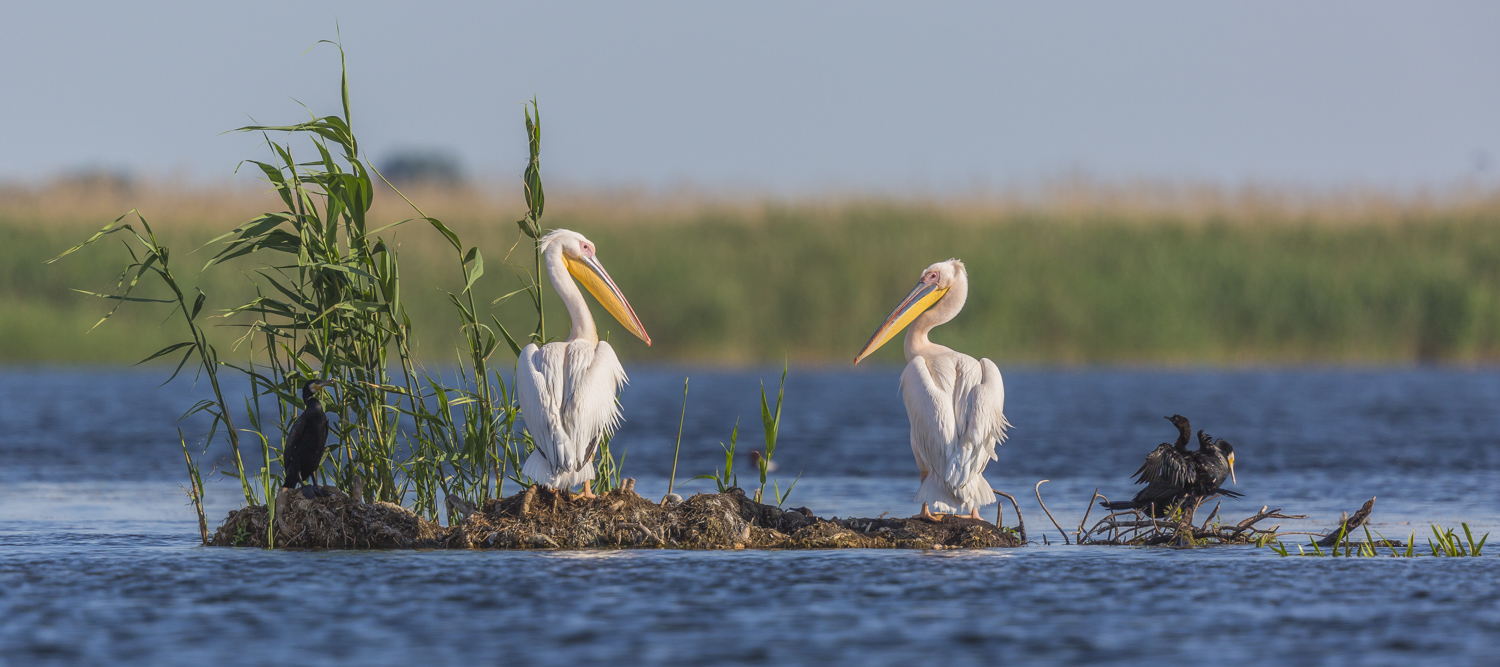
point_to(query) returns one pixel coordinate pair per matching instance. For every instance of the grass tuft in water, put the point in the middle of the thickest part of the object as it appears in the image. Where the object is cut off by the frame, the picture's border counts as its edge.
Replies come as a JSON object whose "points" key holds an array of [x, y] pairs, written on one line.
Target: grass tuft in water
{"points": [[1444, 543]]}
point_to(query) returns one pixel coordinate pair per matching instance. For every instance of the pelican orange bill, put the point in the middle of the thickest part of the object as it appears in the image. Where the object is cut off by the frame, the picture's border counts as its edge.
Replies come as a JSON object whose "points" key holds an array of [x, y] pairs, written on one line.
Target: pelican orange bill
{"points": [[596, 280], [922, 297]]}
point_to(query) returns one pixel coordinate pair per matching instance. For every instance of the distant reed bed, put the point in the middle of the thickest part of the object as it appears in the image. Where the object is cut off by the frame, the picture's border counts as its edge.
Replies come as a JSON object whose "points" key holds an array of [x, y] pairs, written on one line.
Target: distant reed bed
{"points": [[1077, 273]]}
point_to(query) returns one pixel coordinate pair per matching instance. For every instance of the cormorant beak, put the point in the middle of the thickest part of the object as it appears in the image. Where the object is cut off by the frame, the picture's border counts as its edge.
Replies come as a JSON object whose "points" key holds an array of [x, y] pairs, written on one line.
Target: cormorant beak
{"points": [[1231, 469], [922, 297], [596, 280]]}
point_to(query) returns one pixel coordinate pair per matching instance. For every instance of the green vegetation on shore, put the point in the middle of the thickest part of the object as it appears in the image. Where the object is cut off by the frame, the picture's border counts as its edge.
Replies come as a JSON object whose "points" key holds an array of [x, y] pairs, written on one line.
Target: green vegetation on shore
{"points": [[809, 282]]}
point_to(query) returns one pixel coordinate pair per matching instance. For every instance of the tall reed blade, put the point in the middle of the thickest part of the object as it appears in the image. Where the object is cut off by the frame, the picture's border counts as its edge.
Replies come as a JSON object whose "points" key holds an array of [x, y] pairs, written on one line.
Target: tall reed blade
{"points": [[677, 449]]}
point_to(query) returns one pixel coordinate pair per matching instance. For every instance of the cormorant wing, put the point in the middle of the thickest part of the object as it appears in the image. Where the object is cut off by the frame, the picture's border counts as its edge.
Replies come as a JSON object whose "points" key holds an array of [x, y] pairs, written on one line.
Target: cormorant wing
{"points": [[1165, 464]]}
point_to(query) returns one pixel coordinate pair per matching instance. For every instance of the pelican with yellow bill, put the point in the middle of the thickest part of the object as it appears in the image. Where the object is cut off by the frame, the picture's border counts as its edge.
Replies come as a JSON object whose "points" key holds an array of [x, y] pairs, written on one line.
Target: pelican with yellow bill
{"points": [[567, 388], [955, 403]]}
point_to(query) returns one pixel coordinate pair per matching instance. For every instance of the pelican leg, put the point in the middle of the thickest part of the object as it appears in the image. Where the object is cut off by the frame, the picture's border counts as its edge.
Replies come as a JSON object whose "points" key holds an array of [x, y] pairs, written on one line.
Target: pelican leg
{"points": [[588, 491], [974, 513], [928, 515]]}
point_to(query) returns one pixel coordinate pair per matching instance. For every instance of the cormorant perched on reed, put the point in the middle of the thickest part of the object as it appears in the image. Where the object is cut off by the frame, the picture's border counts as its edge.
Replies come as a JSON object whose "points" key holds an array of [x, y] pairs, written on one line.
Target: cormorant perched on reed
{"points": [[1174, 476], [306, 441]]}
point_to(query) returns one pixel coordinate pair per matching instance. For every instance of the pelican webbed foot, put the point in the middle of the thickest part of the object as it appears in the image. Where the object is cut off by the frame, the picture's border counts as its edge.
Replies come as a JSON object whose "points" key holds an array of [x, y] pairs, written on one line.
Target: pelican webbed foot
{"points": [[928, 515], [588, 491]]}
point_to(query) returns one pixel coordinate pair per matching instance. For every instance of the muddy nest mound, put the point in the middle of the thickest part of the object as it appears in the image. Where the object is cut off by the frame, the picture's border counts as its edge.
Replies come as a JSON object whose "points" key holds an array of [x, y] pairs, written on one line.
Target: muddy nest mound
{"points": [[545, 519], [332, 521], [541, 518]]}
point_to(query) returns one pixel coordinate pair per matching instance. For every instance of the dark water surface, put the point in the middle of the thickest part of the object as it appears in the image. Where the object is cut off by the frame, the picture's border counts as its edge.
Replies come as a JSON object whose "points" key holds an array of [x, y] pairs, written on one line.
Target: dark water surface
{"points": [[98, 561]]}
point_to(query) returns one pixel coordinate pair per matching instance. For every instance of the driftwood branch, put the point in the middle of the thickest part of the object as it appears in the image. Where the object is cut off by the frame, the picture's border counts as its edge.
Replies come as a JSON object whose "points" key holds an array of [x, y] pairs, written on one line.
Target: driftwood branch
{"points": [[1049, 512], [1249, 524], [1347, 526], [1089, 508], [1000, 507], [1134, 527]]}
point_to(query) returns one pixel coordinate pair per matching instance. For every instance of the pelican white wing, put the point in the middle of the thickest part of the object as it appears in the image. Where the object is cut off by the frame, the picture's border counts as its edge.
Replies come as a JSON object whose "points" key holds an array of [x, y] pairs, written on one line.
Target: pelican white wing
{"points": [[567, 393], [956, 405]]}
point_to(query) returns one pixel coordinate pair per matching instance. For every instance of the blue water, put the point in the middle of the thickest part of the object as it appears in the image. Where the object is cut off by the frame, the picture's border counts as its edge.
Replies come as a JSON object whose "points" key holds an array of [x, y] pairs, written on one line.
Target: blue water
{"points": [[98, 561]]}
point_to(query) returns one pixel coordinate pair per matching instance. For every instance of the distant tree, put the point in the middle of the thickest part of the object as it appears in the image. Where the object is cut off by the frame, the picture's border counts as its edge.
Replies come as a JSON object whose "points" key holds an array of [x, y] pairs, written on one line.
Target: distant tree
{"points": [[98, 178], [423, 167]]}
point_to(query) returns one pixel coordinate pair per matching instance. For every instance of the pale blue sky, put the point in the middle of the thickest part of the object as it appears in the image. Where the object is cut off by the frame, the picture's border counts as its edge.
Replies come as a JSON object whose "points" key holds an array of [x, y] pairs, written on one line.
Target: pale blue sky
{"points": [[780, 97]]}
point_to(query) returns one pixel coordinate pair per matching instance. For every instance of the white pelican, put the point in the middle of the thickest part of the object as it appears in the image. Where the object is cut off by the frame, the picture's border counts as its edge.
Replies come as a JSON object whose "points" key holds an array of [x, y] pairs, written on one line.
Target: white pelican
{"points": [[956, 405], [567, 388]]}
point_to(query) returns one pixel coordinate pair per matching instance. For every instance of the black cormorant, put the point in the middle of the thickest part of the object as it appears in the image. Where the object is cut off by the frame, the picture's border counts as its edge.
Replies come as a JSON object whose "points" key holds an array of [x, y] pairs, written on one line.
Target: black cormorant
{"points": [[1173, 475], [1167, 459], [306, 441]]}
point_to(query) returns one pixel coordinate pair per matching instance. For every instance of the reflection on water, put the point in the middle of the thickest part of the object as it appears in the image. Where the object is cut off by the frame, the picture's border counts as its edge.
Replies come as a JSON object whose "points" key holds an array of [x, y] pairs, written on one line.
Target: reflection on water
{"points": [[97, 562]]}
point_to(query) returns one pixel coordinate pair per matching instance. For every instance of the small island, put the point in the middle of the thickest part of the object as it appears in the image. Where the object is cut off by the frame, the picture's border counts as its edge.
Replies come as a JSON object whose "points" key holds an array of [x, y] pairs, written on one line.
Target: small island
{"points": [[542, 518]]}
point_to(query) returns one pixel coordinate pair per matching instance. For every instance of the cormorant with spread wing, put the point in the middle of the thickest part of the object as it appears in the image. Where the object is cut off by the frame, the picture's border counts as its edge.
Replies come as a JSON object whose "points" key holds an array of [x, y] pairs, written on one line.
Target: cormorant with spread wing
{"points": [[306, 442], [1174, 475]]}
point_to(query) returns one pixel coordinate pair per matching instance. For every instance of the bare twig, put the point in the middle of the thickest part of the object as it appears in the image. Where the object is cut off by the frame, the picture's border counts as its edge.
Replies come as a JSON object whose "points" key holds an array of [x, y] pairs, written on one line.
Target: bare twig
{"points": [[1020, 520], [1264, 513], [1212, 514], [1086, 511], [1147, 523], [1110, 522], [1135, 527], [1049, 512]]}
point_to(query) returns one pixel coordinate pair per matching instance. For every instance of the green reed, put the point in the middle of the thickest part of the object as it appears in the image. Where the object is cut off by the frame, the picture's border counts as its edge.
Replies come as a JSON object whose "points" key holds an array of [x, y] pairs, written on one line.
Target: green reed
{"points": [[771, 423], [150, 258], [726, 479], [326, 302], [677, 449], [1444, 543], [609, 473], [470, 457], [195, 487]]}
